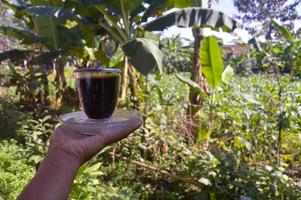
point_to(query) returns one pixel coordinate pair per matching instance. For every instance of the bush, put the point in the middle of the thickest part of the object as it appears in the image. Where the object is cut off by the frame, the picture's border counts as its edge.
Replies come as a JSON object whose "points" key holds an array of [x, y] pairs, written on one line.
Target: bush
{"points": [[15, 173]]}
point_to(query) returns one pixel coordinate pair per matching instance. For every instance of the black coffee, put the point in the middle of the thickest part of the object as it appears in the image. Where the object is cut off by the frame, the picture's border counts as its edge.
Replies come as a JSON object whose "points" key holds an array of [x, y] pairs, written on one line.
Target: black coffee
{"points": [[98, 95]]}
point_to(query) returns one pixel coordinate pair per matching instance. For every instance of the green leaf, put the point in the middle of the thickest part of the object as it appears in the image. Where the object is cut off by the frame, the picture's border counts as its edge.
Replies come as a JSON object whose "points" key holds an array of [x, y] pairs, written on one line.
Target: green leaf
{"points": [[47, 19], [240, 142], [283, 31], [70, 35], [144, 54], [117, 59], [50, 11], [101, 56], [227, 74], [27, 37], [191, 84], [15, 55], [211, 61], [190, 17], [45, 58]]}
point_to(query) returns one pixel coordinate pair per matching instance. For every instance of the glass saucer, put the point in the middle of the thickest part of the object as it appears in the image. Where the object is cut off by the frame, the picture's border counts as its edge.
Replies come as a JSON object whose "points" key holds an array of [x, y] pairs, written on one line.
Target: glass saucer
{"points": [[79, 122]]}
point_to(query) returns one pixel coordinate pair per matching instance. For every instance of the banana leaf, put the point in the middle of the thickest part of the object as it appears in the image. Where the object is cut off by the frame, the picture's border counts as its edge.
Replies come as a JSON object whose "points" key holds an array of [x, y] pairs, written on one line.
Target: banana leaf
{"points": [[211, 61], [15, 55], [191, 84], [190, 17], [50, 11], [288, 36], [27, 37], [144, 54], [45, 58]]}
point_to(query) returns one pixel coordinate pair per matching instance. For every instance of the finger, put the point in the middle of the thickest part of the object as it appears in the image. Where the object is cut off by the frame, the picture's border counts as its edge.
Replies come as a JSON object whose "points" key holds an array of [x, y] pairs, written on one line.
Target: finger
{"points": [[113, 135], [122, 131]]}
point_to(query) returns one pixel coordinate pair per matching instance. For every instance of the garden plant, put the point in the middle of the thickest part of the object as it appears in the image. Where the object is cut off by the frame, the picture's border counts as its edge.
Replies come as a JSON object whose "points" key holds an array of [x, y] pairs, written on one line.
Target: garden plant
{"points": [[214, 126]]}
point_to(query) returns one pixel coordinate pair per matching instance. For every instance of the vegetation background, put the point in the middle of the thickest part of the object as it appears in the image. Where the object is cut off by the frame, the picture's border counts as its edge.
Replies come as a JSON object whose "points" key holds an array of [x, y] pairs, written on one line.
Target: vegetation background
{"points": [[218, 124]]}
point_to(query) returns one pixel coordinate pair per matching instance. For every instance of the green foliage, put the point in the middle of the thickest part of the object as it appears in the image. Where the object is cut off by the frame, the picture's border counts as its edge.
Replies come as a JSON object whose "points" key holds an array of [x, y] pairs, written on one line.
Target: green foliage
{"points": [[177, 54], [144, 55], [29, 84], [14, 170], [227, 74], [89, 184], [283, 30], [11, 120], [238, 162], [211, 61]]}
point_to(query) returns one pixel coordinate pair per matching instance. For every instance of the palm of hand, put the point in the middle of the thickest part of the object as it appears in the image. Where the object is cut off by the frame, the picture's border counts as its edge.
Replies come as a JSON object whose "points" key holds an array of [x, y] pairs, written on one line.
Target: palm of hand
{"points": [[84, 147]]}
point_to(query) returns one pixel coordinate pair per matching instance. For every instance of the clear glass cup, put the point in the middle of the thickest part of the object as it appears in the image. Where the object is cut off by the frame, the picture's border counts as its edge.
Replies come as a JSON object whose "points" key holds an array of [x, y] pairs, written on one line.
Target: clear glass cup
{"points": [[98, 90]]}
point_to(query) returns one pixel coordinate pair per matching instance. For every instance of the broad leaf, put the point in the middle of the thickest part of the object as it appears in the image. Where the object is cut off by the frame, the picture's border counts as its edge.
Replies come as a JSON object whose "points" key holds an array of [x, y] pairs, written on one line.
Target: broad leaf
{"points": [[191, 84], [190, 17], [49, 11], [72, 36], [50, 17], [211, 61], [45, 58], [15, 55], [101, 56], [283, 31], [117, 59], [27, 37], [44, 24], [227, 74], [47, 19], [144, 54]]}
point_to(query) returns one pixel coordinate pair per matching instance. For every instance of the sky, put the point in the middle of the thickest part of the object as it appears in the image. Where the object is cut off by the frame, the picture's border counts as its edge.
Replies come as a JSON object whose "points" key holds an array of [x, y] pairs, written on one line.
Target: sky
{"points": [[227, 7]]}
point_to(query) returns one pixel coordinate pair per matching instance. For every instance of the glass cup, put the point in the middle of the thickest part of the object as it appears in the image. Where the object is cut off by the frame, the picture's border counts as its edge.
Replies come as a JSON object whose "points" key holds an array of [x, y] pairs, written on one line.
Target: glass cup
{"points": [[98, 90]]}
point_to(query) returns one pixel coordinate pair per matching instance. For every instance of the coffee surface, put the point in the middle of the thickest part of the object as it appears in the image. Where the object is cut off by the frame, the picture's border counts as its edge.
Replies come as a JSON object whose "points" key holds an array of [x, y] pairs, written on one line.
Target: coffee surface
{"points": [[98, 95]]}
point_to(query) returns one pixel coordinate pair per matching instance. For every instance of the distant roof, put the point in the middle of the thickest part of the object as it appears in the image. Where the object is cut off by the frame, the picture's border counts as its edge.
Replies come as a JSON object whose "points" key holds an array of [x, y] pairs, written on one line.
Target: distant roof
{"points": [[3, 46], [236, 49]]}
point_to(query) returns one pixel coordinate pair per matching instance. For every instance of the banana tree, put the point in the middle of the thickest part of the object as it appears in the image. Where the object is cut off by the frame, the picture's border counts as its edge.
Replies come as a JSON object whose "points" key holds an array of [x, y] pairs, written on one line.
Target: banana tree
{"points": [[120, 19], [197, 18], [51, 30]]}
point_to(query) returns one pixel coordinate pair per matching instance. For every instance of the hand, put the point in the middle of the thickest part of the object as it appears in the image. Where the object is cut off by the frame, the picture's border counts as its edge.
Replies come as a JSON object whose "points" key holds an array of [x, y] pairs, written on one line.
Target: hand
{"points": [[84, 147]]}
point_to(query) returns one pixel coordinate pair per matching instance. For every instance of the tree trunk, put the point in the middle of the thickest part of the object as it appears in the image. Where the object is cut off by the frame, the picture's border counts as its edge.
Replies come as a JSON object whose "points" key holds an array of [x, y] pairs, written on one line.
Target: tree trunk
{"points": [[195, 101], [45, 82], [60, 77], [124, 79], [133, 88]]}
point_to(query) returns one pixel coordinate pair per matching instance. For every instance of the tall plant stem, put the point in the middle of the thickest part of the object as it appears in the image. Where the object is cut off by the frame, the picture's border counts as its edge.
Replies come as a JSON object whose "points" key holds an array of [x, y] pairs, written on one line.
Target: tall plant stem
{"points": [[196, 76], [133, 87], [145, 103], [124, 79], [280, 115]]}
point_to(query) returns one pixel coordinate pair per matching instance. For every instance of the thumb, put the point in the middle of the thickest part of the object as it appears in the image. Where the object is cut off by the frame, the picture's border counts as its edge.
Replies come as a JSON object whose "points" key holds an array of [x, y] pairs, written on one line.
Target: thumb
{"points": [[111, 135]]}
